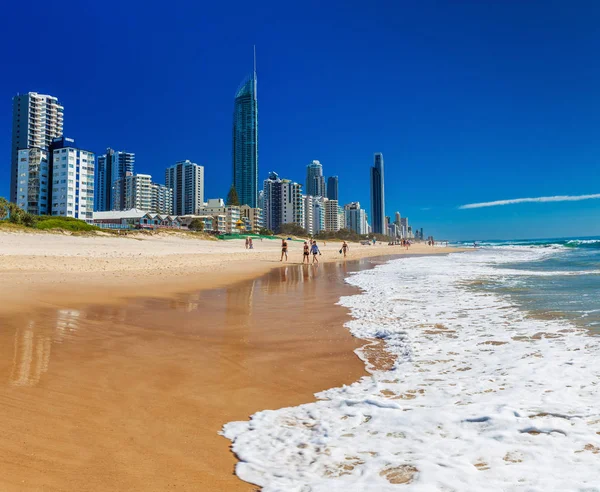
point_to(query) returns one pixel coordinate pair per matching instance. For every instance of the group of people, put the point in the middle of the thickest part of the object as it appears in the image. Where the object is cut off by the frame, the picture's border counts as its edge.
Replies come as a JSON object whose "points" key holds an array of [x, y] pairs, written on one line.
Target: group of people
{"points": [[310, 248]]}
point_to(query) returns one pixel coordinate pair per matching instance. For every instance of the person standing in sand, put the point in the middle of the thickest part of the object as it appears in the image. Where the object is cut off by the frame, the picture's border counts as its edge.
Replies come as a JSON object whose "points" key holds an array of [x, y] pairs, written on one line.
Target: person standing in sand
{"points": [[250, 243], [314, 249], [305, 255], [247, 242], [284, 247], [345, 248]]}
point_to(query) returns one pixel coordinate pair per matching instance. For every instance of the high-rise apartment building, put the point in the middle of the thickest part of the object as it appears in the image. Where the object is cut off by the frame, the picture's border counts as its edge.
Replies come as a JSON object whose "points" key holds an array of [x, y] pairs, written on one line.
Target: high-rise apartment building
{"points": [[332, 188], [162, 199], [404, 227], [37, 119], [245, 141], [283, 202], [111, 167], [72, 180], [33, 185], [377, 196], [315, 181], [186, 179], [332, 216], [356, 218], [141, 193]]}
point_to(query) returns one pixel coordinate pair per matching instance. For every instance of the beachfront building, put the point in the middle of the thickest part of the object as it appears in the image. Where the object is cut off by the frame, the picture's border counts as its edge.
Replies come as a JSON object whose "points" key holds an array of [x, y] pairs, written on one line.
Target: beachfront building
{"points": [[292, 205], [332, 217], [245, 141], [332, 188], [397, 218], [315, 181], [314, 214], [112, 167], [253, 218], [134, 219], [186, 179], [404, 227], [216, 207], [73, 171], [355, 218], [141, 193], [33, 186], [162, 199], [284, 202], [377, 195], [37, 120]]}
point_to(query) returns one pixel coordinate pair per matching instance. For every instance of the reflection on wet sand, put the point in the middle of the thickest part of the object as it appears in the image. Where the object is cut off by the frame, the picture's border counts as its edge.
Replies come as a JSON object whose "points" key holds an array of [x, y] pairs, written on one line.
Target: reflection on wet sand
{"points": [[33, 343], [132, 397]]}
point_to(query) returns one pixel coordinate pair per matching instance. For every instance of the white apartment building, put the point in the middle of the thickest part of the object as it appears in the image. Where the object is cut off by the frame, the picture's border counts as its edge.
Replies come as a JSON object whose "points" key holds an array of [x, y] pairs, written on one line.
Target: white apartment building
{"points": [[73, 182], [314, 214], [139, 192], [254, 216], [216, 207], [332, 217], [37, 119], [292, 205], [33, 187], [186, 179], [162, 199], [356, 218]]}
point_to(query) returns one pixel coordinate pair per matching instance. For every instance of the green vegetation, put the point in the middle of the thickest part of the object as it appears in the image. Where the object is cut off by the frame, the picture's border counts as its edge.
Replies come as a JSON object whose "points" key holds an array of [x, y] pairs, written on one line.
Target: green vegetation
{"points": [[232, 197], [292, 230], [266, 232], [18, 217], [196, 225]]}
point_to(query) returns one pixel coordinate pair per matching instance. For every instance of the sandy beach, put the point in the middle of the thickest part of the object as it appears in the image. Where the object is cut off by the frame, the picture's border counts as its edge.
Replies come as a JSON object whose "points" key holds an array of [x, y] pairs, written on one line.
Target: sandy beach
{"points": [[123, 357], [65, 271]]}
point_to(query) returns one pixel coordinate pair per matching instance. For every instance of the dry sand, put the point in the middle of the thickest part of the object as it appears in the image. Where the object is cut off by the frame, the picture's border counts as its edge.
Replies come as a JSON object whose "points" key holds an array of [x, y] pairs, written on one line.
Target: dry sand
{"points": [[65, 271], [102, 393]]}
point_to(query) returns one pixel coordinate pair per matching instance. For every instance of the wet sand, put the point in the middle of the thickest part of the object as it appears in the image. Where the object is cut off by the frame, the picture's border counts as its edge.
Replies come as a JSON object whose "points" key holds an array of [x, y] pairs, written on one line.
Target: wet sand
{"points": [[132, 396]]}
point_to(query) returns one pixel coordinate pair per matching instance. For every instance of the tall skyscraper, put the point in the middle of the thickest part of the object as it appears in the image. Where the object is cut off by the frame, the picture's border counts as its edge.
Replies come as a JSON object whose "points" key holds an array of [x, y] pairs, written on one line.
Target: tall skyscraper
{"points": [[186, 179], [377, 196], [315, 181], [332, 188], [72, 180], [245, 141], [111, 167], [37, 119]]}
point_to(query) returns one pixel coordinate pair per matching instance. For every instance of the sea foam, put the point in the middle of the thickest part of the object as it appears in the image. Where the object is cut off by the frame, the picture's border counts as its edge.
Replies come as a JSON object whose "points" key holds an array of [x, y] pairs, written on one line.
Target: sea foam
{"points": [[475, 396]]}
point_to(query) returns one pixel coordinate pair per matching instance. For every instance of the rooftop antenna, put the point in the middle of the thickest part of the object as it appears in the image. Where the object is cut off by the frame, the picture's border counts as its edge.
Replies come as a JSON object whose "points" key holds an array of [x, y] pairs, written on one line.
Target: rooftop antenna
{"points": [[254, 74], [254, 47]]}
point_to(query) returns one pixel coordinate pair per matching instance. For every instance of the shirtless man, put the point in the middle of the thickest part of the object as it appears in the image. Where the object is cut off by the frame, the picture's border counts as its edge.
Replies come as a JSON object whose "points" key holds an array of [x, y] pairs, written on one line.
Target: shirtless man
{"points": [[284, 249]]}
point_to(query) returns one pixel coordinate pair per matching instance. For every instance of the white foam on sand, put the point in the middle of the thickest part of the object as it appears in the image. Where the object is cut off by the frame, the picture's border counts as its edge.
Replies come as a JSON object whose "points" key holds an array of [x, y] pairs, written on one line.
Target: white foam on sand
{"points": [[480, 398]]}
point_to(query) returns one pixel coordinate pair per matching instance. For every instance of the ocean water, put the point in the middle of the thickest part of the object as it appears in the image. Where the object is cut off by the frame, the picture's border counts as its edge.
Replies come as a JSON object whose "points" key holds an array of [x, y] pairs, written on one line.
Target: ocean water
{"points": [[492, 384]]}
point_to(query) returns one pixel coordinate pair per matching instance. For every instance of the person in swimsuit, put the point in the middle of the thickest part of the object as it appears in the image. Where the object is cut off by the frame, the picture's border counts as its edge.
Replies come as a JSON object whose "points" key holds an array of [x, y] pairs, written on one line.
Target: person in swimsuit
{"points": [[306, 253], [314, 249], [283, 249], [345, 248]]}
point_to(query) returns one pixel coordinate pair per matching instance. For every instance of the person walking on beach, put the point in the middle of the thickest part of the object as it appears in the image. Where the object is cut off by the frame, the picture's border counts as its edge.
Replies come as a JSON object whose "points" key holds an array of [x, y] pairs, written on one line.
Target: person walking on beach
{"points": [[250, 243], [247, 242], [305, 255], [345, 248], [314, 249], [283, 250]]}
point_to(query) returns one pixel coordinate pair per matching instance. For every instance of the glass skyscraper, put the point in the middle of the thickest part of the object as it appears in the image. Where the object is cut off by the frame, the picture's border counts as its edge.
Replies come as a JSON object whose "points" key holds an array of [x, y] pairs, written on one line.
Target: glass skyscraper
{"points": [[377, 196], [245, 141], [315, 181]]}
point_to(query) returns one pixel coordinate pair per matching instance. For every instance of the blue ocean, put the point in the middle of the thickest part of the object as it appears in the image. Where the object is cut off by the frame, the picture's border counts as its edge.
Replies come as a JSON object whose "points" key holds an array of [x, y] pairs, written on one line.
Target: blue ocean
{"points": [[562, 280]]}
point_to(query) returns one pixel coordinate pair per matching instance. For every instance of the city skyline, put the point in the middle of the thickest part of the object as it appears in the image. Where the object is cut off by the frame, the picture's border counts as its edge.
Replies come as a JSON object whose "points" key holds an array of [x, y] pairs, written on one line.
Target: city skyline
{"points": [[480, 119]]}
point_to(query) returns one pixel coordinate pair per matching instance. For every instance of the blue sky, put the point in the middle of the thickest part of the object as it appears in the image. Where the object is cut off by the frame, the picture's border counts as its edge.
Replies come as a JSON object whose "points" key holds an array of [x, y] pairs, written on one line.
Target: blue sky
{"points": [[469, 101]]}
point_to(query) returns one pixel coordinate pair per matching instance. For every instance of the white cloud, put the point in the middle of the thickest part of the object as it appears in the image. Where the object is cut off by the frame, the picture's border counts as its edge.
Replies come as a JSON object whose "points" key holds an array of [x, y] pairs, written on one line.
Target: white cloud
{"points": [[540, 199]]}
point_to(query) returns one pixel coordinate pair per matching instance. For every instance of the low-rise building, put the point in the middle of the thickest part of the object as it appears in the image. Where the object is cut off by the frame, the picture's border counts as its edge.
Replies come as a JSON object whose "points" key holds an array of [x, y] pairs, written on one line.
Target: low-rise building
{"points": [[135, 219], [216, 207]]}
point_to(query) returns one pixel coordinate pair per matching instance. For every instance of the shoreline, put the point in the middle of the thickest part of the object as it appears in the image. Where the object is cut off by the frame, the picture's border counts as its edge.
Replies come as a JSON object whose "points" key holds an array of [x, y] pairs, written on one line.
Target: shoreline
{"points": [[176, 370], [50, 270]]}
